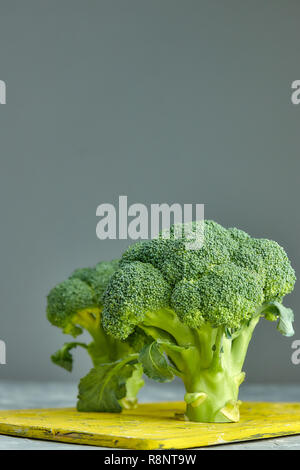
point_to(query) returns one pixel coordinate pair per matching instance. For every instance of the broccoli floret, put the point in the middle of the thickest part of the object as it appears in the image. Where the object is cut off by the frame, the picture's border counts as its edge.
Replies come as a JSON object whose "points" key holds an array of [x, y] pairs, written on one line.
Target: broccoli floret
{"points": [[75, 305], [67, 302], [130, 294], [226, 295], [97, 278], [280, 276], [199, 309]]}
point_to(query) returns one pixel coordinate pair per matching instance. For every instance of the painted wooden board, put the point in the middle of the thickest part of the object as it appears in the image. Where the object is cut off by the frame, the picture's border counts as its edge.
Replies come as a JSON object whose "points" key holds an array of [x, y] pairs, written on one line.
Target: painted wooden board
{"points": [[151, 426]]}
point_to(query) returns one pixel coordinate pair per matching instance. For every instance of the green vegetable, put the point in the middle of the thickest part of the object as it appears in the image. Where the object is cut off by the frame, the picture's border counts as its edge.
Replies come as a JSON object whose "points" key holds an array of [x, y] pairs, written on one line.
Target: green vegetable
{"points": [[75, 305], [199, 309], [104, 388]]}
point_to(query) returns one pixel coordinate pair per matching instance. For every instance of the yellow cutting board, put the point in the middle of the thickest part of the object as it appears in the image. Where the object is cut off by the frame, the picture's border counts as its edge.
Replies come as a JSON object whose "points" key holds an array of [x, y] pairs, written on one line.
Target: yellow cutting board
{"points": [[151, 426]]}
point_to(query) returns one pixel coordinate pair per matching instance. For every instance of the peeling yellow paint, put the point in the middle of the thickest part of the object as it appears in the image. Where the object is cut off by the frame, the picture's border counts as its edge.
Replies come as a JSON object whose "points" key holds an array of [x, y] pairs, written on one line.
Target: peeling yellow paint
{"points": [[232, 410], [151, 426]]}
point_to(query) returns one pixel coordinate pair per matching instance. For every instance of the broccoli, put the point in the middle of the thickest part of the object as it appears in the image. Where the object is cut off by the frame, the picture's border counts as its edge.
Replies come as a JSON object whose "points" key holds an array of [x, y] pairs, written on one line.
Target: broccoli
{"points": [[199, 309], [75, 305]]}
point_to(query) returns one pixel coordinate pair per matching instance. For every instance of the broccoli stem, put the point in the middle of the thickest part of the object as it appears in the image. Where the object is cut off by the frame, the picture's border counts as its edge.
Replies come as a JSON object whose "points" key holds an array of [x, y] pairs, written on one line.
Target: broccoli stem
{"points": [[212, 397], [209, 364], [211, 371], [167, 321], [240, 344], [104, 348]]}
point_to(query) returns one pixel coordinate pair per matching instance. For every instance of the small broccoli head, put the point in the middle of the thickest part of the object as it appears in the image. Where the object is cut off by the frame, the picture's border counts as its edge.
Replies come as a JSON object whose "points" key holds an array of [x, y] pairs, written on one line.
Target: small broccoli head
{"points": [[133, 291], [78, 300], [67, 299]]}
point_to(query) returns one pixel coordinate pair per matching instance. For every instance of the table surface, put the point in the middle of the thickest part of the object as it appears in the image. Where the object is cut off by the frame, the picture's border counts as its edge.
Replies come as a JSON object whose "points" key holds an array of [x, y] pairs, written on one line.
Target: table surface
{"points": [[18, 395]]}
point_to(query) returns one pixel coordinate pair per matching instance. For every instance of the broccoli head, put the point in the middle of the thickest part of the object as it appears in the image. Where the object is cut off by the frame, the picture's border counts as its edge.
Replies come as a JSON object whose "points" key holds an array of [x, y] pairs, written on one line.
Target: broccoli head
{"points": [[76, 303], [199, 308]]}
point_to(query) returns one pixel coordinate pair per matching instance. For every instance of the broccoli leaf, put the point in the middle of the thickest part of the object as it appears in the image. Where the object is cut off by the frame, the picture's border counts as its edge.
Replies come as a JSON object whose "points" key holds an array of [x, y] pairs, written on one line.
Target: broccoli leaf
{"points": [[64, 358], [286, 318], [104, 385], [155, 364], [274, 310]]}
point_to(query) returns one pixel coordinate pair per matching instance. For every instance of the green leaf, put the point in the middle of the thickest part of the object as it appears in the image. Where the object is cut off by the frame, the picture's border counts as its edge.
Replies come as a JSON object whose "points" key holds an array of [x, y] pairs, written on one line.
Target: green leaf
{"points": [[103, 387], [285, 324], [64, 358], [155, 364], [274, 310]]}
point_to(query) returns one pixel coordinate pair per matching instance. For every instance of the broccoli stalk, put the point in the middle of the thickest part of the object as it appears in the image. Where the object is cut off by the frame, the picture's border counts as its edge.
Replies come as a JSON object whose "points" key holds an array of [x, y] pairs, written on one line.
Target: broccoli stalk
{"points": [[209, 364], [199, 310]]}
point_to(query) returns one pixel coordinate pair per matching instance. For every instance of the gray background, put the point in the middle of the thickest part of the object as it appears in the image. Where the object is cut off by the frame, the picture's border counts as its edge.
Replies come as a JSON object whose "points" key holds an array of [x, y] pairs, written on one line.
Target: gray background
{"points": [[164, 101]]}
